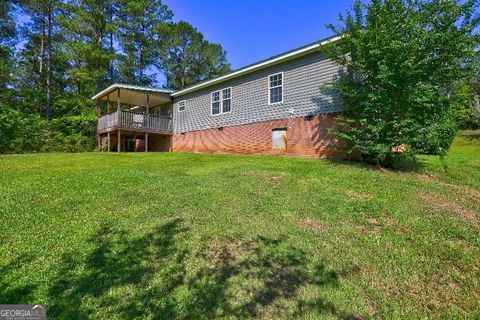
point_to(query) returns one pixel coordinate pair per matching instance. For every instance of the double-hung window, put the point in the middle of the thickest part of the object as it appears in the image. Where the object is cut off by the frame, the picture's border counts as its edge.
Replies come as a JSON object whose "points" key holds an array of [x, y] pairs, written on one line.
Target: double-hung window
{"points": [[215, 102], [181, 106], [222, 101], [275, 88], [227, 100]]}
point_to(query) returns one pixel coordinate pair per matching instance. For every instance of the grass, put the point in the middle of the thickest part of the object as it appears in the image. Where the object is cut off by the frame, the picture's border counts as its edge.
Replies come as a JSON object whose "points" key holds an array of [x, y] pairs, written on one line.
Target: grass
{"points": [[162, 236]]}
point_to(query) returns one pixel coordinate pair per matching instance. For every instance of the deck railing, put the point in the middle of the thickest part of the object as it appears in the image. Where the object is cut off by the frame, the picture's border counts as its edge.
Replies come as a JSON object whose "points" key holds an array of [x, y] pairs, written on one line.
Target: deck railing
{"points": [[134, 120]]}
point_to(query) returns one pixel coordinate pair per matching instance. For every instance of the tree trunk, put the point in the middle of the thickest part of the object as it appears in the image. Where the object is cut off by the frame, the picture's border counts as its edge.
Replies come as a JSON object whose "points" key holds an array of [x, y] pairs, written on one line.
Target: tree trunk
{"points": [[112, 75], [48, 107], [99, 68]]}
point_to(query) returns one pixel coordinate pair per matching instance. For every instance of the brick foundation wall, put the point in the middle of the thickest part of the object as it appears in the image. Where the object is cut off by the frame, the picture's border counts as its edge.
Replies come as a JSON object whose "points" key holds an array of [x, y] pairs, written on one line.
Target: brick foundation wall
{"points": [[305, 137]]}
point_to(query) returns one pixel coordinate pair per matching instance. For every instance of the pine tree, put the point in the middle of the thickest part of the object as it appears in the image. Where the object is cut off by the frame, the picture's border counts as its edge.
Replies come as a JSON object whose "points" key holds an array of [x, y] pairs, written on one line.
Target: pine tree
{"points": [[87, 24], [187, 58], [40, 33], [7, 34], [137, 21]]}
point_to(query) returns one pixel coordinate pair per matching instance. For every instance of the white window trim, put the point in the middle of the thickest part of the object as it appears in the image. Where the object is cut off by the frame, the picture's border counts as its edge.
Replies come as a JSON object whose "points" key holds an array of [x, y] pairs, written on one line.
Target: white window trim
{"points": [[184, 105], [220, 95], [219, 103], [269, 87]]}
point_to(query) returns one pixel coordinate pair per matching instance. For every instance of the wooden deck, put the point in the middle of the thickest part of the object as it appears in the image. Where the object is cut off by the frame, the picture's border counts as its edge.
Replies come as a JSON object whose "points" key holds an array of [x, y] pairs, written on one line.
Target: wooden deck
{"points": [[134, 121]]}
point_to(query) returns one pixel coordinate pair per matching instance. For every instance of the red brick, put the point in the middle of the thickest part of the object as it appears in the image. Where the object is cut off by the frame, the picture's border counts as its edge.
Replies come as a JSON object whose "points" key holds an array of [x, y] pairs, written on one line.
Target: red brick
{"points": [[304, 138]]}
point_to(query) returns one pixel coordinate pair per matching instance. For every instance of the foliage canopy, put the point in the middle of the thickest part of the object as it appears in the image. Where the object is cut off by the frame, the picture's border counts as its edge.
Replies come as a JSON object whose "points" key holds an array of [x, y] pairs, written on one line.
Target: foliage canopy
{"points": [[402, 59]]}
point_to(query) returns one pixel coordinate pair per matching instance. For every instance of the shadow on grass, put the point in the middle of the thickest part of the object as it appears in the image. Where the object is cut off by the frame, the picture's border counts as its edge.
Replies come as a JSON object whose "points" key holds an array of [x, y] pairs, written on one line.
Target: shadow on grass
{"points": [[415, 165], [471, 135], [15, 294], [159, 275]]}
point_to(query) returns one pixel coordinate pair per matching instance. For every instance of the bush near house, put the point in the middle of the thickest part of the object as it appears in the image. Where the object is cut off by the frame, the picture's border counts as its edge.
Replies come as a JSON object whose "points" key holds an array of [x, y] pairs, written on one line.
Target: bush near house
{"points": [[401, 60]]}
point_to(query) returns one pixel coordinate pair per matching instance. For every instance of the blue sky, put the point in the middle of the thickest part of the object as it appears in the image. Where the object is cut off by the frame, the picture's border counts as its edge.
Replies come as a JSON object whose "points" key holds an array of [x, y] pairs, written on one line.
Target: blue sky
{"points": [[252, 30]]}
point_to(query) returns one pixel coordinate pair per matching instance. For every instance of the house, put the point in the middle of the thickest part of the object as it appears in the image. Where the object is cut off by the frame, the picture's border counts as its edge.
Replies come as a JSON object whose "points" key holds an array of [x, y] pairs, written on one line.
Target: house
{"points": [[276, 106]]}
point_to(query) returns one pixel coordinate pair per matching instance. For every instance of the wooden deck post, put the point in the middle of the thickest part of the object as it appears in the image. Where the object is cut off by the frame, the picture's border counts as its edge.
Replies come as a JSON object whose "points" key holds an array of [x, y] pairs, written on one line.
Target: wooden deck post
{"points": [[146, 142], [148, 103], [118, 99], [148, 112], [134, 143], [108, 142], [118, 141]]}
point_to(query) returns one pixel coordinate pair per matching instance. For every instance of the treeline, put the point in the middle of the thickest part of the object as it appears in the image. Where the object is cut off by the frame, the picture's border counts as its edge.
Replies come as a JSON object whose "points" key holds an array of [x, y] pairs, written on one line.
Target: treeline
{"points": [[56, 54]]}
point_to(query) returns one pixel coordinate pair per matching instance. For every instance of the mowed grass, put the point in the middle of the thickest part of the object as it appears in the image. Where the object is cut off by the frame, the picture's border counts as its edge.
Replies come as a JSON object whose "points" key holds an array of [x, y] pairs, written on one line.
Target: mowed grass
{"points": [[189, 236]]}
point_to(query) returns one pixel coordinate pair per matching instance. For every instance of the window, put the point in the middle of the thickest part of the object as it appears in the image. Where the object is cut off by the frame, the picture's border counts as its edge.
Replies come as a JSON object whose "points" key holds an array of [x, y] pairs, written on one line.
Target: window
{"points": [[215, 102], [181, 106], [222, 101], [275, 88], [227, 100]]}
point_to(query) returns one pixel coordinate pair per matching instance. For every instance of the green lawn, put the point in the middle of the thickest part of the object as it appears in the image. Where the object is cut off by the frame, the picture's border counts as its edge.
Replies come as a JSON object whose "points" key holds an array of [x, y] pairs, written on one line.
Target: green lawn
{"points": [[159, 235]]}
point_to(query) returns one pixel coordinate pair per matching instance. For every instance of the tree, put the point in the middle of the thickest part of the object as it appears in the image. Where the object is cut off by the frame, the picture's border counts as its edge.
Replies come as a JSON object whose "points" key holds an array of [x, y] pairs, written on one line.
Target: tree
{"points": [[7, 33], [41, 27], [137, 21], [186, 58], [401, 60], [87, 24], [62, 52]]}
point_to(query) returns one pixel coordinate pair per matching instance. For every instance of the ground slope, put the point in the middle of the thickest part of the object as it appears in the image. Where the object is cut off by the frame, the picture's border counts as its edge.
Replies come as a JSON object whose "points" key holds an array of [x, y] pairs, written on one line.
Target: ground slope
{"points": [[155, 235]]}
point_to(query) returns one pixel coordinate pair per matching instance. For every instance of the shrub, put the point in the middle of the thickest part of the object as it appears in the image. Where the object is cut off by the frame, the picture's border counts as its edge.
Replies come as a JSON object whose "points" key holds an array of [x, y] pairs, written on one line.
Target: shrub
{"points": [[10, 124], [436, 138], [399, 66]]}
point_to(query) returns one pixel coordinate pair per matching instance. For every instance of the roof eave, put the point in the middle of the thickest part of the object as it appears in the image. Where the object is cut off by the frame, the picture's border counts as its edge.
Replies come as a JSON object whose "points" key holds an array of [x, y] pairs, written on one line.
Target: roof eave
{"points": [[128, 87]]}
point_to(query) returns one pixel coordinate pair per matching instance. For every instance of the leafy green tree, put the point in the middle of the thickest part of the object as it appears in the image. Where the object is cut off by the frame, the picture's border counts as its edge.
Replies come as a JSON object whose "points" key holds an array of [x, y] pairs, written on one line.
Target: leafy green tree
{"points": [[467, 116], [137, 21], [401, 60], [10, 121], [187, 58]]}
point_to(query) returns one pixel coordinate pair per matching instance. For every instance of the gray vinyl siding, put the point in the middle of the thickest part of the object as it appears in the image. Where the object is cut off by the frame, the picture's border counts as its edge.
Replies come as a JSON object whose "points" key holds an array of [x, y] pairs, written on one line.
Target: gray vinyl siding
{"points": [[302, 93]]}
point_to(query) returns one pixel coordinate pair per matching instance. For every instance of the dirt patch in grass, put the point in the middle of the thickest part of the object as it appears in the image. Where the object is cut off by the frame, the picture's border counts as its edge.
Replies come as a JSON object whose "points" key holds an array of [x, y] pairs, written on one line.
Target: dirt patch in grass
{"points": [[311, 224], [357, 195], [220, 250], [394, 225], [372, 227], [443, 203], [473, 194], [269, 177], [375, 225]]}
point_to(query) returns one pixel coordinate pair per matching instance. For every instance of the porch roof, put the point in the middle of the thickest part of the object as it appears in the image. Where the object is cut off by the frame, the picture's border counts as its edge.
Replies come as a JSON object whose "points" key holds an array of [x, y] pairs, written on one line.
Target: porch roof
{"points": [[134, 95]]}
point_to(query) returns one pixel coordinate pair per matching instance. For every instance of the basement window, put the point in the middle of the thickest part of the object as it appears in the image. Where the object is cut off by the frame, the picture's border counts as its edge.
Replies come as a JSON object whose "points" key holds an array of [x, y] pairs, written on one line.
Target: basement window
{"points": [[181, 105]]}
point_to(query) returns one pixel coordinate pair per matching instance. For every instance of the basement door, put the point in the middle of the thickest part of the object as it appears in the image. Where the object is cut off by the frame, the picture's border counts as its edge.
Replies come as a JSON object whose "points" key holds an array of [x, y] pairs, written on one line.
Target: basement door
{"points": [[279, 139]]}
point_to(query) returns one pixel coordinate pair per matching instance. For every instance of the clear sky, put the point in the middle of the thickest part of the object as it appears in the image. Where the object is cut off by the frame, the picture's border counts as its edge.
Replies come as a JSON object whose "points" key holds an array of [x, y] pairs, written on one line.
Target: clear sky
{"points": [[252, 30]]}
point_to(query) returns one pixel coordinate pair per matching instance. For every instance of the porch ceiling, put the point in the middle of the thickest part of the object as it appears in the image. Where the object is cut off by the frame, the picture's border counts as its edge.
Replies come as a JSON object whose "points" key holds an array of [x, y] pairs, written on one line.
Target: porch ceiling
{"points": [[134, 95]]}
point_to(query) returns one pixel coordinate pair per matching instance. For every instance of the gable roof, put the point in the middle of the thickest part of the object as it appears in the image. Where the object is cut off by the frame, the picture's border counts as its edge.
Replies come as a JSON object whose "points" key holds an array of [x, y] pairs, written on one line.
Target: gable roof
{"points": [[289, 55]]}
